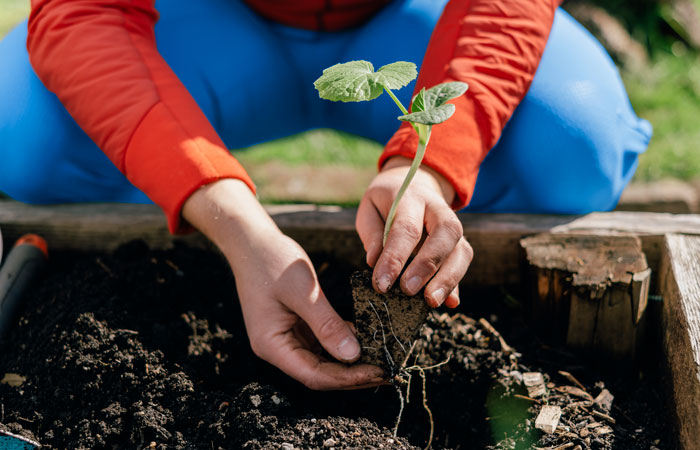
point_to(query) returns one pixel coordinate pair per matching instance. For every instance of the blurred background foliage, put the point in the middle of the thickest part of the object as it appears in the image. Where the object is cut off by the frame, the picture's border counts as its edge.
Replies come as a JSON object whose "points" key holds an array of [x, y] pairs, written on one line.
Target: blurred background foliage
{"points": [[655, 43]]}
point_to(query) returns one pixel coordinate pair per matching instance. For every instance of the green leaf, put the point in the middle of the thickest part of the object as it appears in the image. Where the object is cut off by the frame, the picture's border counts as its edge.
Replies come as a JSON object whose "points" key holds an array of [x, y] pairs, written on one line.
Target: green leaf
{"points": [[432, 116], [397, 75], [429, 107], [418, 102], [354, 81], [438, 95]]}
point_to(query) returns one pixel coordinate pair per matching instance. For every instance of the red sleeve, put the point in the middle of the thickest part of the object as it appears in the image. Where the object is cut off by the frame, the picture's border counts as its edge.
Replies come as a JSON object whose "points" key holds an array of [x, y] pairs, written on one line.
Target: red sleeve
{"points": [[100, 58], [494, 46]]}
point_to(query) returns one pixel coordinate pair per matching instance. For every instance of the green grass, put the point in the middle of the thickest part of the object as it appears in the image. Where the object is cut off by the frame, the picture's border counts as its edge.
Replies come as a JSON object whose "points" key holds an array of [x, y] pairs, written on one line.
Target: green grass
{"points": [[316, 147], [668, 96]]}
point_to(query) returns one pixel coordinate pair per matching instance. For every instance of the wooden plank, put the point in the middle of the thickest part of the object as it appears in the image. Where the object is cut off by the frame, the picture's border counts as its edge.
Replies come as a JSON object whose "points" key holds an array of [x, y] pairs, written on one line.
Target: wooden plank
{"points": [[680, 287], [495, 237]]}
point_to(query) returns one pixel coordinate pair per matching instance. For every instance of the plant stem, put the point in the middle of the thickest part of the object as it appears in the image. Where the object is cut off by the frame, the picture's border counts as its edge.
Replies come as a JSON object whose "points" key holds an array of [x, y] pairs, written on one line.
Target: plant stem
{"points": [[396, 100], [401, 107], [420, 151]]}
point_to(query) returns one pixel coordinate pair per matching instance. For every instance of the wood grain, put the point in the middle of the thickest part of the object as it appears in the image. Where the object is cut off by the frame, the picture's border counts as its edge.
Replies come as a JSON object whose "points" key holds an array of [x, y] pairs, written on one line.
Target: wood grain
{"points": [[584, 288], [680, 287]]}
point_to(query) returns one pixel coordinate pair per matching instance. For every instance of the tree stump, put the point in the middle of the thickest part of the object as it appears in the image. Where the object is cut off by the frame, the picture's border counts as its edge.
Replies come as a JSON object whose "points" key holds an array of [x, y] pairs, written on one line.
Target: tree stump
{"points": [[589, 290]]}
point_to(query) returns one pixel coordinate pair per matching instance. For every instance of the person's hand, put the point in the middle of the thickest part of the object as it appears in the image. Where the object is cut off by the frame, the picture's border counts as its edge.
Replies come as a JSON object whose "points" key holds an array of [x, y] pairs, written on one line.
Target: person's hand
{"points": [[441, 259], [287, 316]]}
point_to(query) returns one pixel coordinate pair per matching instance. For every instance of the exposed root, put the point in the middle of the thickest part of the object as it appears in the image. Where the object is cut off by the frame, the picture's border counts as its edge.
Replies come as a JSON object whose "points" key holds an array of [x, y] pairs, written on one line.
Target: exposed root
{"points": [[405, 378], [402, 403]]}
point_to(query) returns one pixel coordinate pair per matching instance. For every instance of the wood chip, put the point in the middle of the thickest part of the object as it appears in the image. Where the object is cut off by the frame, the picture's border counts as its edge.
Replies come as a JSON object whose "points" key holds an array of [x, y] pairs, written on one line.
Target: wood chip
{"points": [[571, 378], [604, 400], [548, 418], [534, 382], [576, 392], [13, 379], [563, 446], [603, 430], [603, 416]]}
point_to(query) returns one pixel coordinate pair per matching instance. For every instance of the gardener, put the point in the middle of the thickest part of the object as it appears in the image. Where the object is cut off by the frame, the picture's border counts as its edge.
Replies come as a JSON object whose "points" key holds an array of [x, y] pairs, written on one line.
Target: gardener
{"points": [[231, 74]]}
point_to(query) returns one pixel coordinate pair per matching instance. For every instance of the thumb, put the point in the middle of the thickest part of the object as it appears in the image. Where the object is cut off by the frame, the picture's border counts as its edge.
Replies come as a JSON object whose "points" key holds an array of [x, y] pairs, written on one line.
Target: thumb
{"points": [[332, 332]]}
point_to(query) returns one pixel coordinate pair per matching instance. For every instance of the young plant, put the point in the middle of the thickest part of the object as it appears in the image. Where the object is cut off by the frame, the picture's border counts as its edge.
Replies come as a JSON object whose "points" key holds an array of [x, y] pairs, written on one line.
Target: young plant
{"points": [[356, 81]]}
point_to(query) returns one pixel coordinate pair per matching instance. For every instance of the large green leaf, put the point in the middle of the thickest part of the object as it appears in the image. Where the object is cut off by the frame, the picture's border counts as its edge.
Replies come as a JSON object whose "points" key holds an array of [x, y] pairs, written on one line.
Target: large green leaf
{"points": [[397, 75], [356, 81], [429, 107], [353, 81], [432, 116], [438, 95]]}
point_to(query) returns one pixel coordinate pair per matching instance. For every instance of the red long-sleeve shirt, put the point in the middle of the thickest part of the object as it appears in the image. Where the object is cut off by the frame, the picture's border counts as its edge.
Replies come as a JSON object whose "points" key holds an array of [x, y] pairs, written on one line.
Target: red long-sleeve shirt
{"points": [[123, 94]]}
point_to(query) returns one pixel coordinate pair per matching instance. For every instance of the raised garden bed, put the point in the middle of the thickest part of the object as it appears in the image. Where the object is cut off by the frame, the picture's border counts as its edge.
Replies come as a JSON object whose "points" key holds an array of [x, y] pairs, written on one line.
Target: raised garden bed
{"points": [[126, 349]]}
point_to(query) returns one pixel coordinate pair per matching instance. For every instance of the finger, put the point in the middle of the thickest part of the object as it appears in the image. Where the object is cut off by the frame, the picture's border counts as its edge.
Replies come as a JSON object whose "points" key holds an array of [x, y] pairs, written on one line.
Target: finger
{"points": [[315, 373], [444, 232], [383, 382], [452, 300], [370, 227], [352, 327], [404, 236], [332, 332], [304, 334], [450, 274]]}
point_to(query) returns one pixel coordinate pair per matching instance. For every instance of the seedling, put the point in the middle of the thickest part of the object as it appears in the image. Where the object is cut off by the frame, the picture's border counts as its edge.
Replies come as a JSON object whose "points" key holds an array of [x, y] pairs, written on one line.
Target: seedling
{"points": [[356, 81]]}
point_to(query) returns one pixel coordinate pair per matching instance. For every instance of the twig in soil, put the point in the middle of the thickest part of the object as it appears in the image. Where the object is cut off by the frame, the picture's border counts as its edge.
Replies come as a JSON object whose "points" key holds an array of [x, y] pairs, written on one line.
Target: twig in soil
{"points": [[104, 267], [571, 379], [603, 416], [560, 447], [525, 397], [624, 414], [504, 346]]}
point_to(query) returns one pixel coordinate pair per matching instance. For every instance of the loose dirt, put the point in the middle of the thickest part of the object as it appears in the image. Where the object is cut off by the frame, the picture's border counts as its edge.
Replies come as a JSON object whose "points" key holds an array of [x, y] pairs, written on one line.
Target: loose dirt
{"points": [[147, 349]]}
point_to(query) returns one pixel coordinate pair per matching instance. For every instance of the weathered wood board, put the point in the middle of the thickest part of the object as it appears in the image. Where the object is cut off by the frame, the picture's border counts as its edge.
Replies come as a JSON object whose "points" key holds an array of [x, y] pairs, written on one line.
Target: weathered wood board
{"points": [[680, 287], [494, 237]]}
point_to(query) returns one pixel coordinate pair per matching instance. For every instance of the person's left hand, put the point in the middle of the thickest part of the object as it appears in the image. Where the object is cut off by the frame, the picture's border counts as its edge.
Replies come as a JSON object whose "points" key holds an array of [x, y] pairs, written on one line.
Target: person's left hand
{"points": [[441, 259]]}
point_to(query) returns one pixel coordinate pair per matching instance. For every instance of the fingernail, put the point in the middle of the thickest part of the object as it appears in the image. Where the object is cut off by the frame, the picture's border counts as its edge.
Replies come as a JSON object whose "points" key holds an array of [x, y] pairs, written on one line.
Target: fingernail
{"points": [[439, 296], [349, 349], [413, 284], [384, 283]]}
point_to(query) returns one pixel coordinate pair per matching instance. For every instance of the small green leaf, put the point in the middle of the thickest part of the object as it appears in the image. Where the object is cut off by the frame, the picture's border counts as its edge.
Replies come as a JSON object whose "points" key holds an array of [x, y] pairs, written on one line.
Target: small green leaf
{"points": [[432, 116], [438, 95], [397, 75], [354, 81], [418, 102]]}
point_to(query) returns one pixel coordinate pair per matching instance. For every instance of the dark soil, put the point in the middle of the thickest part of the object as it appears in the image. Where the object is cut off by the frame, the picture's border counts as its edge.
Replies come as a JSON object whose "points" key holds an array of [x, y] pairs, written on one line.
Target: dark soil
{"points": [[147, 349]]}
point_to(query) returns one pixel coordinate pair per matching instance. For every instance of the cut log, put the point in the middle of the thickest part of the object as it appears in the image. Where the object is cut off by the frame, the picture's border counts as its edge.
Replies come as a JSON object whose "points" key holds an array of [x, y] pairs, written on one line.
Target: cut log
{"points": [[680, 288], [589, 290]]}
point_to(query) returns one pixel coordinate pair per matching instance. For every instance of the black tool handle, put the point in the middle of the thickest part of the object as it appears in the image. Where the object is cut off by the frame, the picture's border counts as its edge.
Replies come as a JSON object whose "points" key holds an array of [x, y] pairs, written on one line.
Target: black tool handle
{"points": [[23, 263]]}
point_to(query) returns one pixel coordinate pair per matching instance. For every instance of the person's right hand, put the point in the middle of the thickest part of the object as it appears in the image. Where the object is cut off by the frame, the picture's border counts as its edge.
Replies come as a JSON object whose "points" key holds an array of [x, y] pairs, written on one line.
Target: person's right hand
{"points": [[287, 316]]}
